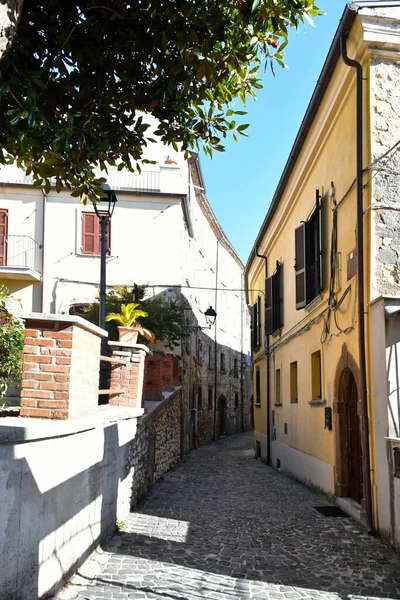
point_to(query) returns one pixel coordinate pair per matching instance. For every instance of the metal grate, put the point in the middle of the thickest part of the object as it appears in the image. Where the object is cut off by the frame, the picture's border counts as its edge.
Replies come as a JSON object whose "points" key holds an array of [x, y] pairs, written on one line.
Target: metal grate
{"points": [[331, 511]]}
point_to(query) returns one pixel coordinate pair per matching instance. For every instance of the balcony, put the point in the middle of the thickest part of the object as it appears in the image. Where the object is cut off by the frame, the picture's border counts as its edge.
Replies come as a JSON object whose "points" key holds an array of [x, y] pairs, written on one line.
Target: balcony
{"points": [[19, 258]]}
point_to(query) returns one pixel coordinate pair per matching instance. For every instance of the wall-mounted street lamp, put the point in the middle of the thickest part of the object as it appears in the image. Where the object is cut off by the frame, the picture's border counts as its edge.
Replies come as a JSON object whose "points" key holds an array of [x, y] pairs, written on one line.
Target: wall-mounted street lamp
{"points": [[210, 316], [104, 214]]}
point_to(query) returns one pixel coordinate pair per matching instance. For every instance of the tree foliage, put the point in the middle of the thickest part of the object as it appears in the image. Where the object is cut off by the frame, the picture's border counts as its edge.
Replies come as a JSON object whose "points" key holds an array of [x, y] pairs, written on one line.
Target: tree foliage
{"points": [[165, 316], [11, 342], [78, 76]]}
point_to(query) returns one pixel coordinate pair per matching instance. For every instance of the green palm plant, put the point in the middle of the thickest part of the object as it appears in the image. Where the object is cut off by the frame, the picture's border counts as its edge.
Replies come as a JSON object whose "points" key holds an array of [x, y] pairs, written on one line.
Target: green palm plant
{"points": [[128, 318]]}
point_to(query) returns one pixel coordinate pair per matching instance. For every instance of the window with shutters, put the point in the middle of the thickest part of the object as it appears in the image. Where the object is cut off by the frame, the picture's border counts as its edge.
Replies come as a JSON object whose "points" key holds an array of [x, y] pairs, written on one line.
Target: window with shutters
{"points": [[316, 376], [308, 264], [222, 363], [273, 301], [255, 313], [91, 242], [258, 387], [3, 236], [199, 398], [294, 395], [278, 399]]}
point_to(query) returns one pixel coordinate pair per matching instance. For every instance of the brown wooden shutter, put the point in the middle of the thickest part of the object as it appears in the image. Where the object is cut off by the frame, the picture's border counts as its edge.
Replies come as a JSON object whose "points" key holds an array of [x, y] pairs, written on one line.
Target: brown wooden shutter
{"points": [[276, 298], [269, 327], [252, 308], [300, 266], [319, 242], [3, 236], [90, 234], [258, 331]]}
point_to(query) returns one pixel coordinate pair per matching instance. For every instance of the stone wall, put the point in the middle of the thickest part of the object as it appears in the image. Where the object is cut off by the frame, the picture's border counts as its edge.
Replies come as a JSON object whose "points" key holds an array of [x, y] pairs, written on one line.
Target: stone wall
{"points": [[157, 446], [385, 134], [63, 484]]}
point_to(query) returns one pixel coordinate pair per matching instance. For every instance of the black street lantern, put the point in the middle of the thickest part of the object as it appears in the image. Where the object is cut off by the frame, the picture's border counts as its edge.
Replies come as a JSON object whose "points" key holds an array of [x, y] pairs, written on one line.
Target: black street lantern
{"points": [[104, 215], [210, 315]]}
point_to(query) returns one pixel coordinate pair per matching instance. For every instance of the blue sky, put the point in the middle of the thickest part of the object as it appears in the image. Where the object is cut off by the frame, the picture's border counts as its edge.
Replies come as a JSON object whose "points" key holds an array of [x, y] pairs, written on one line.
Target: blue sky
{"points": [[241, 181]]}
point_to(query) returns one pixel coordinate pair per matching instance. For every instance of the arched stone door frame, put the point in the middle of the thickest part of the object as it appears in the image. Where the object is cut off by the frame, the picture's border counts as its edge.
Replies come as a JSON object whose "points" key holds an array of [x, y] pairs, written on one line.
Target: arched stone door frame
{"points": [[346, 367]]}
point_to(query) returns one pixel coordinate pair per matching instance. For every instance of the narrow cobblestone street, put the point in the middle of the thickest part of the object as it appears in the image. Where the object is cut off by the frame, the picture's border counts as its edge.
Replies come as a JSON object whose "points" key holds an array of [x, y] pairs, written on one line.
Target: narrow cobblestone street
{"points": [[224, 526]]}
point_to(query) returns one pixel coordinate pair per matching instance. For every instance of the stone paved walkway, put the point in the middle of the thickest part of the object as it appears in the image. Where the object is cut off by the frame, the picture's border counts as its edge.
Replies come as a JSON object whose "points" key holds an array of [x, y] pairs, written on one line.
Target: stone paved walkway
{"points": [[224, 526]]}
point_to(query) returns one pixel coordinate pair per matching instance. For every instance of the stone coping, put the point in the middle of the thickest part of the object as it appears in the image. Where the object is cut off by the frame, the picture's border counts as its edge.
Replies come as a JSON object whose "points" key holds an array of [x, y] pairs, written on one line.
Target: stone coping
{"points": [[152, 406], [19, 430], [68, 319], [130, 345]]}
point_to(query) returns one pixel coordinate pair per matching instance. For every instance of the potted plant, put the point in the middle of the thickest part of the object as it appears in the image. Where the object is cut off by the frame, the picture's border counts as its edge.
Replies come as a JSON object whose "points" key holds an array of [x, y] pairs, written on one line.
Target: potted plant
{"points": [[129, 327]]}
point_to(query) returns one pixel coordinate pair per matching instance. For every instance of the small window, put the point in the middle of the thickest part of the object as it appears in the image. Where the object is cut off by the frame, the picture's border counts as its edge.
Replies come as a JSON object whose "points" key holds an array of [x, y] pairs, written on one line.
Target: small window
{"points": [[308, 264], [236, 401], [199, 397], [293, 383], [91, 242], [235, 368], [278, 386], [210, 398], [255, 313], [258, 387], [199, 351], [316, 376], [222, 365], [210, 365]]}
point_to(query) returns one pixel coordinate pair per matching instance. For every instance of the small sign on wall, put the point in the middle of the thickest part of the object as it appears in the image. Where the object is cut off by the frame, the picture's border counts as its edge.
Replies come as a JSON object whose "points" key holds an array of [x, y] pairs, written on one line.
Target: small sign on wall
{"points": [[328, 418]]}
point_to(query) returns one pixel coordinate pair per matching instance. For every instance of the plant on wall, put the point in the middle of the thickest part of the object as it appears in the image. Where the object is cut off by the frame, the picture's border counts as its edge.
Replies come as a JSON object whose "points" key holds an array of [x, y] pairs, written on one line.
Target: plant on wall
{"points": [[128, 319], [11, 342]]}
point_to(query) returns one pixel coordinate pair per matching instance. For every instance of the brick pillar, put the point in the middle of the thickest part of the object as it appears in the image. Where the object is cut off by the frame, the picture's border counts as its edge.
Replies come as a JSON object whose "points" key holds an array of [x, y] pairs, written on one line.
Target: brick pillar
{"points": [[167, 370], [128, 377], [154, 376], [175, 369], [60, 367]]}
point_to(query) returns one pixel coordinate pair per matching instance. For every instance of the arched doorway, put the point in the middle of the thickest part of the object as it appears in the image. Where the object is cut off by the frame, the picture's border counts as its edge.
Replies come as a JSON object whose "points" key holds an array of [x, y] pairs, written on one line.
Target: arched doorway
{"points": [[348, 437], [222, 416]]}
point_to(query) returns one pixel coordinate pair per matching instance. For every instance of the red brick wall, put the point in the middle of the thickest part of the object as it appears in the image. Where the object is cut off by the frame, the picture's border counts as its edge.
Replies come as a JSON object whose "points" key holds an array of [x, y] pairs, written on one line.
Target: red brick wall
{"points": [[129, 377], [60, 371], [154, 375]]}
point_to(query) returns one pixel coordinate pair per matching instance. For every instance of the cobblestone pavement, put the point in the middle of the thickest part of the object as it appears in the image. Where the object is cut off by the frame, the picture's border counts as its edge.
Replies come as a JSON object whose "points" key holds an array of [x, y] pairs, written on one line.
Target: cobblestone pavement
{"points": [[224, 526]]}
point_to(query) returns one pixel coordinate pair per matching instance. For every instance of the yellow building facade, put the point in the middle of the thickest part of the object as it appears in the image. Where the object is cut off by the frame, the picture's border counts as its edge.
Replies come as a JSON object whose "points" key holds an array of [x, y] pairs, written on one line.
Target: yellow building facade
{"points": [[302, 278]]}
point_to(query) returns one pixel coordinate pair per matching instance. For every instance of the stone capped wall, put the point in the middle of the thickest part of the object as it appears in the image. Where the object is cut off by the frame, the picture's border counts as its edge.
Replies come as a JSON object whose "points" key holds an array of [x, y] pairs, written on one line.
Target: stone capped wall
{"points": [[385, 134], [157, 446]]}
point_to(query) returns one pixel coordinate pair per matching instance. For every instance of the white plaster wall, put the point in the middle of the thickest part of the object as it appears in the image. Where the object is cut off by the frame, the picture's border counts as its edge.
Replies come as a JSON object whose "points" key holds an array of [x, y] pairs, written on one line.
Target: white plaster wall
{"points": [[304, 467], [59, 496]]}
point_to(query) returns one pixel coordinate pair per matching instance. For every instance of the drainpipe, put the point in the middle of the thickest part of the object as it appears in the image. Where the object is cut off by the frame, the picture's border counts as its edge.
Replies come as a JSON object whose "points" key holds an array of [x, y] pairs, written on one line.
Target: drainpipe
{"points": [[366, 465], [266, 346], [43, 248]]}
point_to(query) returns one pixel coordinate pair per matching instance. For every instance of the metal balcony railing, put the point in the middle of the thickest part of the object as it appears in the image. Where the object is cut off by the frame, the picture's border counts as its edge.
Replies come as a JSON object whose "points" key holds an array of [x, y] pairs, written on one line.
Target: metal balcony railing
{"points": [[19, 251], [147, 181]]}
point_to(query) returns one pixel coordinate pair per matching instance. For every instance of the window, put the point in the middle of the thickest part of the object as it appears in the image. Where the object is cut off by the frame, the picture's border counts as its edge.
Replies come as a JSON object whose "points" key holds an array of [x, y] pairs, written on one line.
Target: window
{"points": [[277, 386], [199, 397], [199, 350], [293, 383], [3, 236], [308, 264], [236, 401], [210, 398], [316, 376], [258, 387], [235, 368], [91, 234], [255, 312], [210, 365], [222, 366], [273, 301]]}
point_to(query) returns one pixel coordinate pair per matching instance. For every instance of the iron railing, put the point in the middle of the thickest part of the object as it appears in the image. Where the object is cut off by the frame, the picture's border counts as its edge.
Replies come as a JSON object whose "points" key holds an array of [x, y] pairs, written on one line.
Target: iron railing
{"points": [[19, 251], [146, 181]]}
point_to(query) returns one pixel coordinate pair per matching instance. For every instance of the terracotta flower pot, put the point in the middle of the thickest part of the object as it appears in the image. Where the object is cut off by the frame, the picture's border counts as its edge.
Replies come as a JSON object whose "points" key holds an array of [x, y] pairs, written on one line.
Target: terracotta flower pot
{"points": [[128, 334]]}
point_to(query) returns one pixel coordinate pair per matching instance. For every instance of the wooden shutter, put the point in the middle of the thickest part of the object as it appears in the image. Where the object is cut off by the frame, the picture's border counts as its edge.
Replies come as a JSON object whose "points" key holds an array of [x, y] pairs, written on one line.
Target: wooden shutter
{"points": [[269, 326], [252, 326], [276, 299], [300, 265], [258, 320], [3, 236], [319, 242], [90, 234]]}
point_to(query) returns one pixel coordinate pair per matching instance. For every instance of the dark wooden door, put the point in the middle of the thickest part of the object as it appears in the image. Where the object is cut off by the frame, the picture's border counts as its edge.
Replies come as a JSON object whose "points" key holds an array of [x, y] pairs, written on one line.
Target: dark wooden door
{"points": [[354, 444], [222, 416]]}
